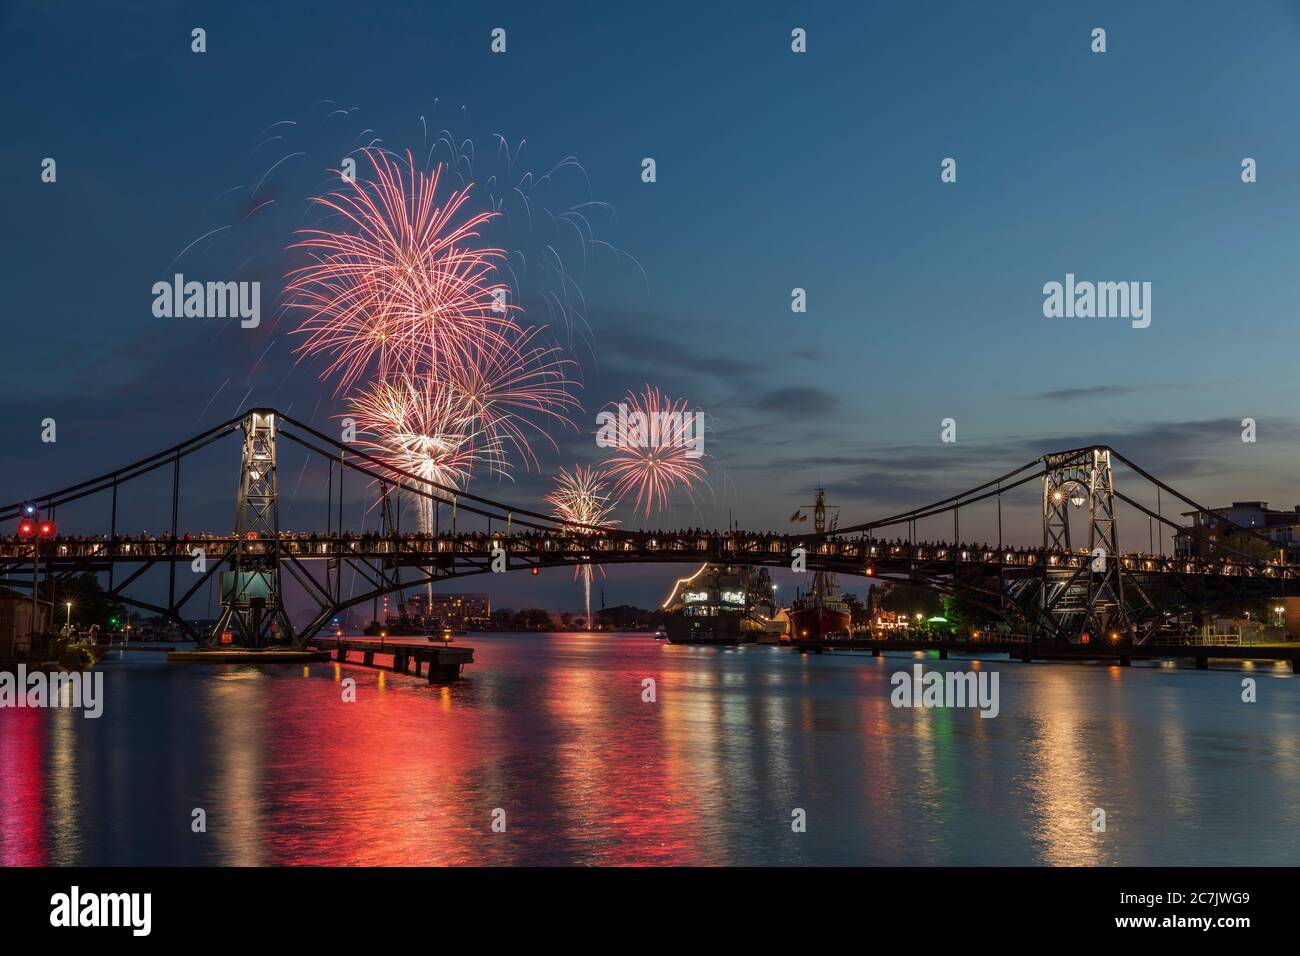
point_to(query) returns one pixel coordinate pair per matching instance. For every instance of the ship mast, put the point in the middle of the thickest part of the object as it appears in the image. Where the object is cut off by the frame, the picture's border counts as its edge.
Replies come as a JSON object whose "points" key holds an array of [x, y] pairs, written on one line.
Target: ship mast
{"points": [[823, 581]]}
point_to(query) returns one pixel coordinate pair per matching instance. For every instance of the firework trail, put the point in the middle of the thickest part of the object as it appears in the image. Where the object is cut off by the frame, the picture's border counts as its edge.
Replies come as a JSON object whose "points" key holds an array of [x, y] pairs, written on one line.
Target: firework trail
{"points": [[581, 497], [651, 458], [506, 381], [400, 286]]}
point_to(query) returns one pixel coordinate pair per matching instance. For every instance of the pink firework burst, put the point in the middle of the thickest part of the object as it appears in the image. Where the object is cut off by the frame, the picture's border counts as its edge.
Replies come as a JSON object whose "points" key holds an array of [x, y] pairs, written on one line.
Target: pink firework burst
{"points": [[400, 283], [657, 448]]}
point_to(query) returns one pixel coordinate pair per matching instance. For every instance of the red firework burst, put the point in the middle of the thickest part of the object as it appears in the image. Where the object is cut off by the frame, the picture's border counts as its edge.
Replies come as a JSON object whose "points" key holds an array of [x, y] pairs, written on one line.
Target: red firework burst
{"points": [[657, 447]]}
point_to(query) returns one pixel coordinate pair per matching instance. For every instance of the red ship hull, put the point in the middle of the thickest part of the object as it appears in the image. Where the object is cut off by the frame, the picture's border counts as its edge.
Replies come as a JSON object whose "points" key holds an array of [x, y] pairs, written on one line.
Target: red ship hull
{"points": [[816, 623]]}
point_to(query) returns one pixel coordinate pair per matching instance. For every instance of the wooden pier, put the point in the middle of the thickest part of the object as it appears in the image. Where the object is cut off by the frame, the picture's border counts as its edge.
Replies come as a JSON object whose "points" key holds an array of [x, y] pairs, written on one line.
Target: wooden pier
{"points": [[1121, 653], [439, 663]]}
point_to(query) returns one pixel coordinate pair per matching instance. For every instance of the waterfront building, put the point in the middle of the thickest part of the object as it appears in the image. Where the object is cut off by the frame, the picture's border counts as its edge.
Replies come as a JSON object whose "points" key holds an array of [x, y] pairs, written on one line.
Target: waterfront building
{"points": [[1215, 526], [455, 610]]}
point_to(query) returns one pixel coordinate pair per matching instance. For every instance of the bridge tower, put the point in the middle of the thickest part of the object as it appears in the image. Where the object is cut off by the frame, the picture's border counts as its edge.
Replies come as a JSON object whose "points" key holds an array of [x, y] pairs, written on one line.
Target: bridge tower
{"points": [[1087, 598], [250, 590]]}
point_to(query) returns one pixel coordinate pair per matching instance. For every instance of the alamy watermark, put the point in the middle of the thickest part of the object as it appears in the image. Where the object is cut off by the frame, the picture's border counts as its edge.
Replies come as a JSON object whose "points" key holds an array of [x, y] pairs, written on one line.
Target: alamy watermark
{"points": [[661, 429], [60, 690], [951, 689], [130, 910], [1099, 300], [209, 300]]}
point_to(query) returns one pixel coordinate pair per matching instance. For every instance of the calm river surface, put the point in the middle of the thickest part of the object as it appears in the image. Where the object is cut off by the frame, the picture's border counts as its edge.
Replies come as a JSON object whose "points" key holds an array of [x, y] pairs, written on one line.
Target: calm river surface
{"points": [[552, 729]]}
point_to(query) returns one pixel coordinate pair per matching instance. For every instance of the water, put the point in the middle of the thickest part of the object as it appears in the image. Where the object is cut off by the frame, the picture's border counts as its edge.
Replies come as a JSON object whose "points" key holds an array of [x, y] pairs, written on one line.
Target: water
{"points": [[552, 729]]}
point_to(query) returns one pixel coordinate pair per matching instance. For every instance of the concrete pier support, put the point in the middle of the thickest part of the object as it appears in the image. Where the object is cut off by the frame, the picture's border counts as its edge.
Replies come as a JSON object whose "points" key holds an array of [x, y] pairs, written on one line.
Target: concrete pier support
{"points": [[443, 673], [1202, 663], [943, 654], [875, 652], [1125, 661]]}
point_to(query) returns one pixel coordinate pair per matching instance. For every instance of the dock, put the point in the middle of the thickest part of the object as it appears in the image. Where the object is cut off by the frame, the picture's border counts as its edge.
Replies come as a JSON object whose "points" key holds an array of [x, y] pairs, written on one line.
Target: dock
{"points": [[438, 663], [1121, 653]]}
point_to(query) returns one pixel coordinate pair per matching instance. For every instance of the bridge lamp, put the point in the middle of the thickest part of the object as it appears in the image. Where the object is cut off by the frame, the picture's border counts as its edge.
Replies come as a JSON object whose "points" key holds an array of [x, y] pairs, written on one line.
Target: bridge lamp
{"points": [[26, 528], [1077, 499], [46, 529], [28, 510]]}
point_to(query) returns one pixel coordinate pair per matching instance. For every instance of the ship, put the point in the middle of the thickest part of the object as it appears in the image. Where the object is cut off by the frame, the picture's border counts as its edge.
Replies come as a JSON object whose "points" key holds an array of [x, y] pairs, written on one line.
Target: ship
{"points": [[820, 613], [715, 605]]}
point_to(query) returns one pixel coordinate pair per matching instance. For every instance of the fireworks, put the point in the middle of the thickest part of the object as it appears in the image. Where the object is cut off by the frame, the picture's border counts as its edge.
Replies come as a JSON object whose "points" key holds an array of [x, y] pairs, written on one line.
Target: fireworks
{"points": [[401, 286], [657, 448], [581, 497], [401, 297], [421, 427], [507, 379]]}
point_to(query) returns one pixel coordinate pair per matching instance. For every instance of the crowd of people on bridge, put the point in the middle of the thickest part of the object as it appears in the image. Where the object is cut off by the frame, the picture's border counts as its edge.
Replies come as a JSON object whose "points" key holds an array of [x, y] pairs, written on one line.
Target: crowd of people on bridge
{"points": [[527, 537]]}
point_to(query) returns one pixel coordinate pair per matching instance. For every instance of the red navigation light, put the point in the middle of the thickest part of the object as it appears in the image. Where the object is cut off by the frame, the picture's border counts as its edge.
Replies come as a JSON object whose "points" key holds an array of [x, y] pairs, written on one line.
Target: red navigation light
{"points": [[1085, 637], [536, 571], [871, 572], [47, 529], [26, 529]]}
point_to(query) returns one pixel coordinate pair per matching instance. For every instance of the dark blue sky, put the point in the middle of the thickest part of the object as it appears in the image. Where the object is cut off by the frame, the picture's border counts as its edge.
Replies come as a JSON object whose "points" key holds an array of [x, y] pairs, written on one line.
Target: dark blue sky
{"points": [[775, 170]]}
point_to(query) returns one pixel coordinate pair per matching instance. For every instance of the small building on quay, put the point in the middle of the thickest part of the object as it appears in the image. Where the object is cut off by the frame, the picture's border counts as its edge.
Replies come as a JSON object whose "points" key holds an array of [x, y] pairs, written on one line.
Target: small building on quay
{"points": [[16, 623]]}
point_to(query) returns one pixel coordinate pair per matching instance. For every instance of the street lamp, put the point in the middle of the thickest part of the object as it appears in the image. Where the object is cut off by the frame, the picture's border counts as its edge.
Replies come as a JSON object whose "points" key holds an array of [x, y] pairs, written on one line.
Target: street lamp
{"points": [[69, 622], [29, 527]]}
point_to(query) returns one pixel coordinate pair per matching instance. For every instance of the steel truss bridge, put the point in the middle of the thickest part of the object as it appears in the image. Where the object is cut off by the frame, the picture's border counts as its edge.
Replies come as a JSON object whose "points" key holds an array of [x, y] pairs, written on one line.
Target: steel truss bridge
{"points": [[1057, 592]]}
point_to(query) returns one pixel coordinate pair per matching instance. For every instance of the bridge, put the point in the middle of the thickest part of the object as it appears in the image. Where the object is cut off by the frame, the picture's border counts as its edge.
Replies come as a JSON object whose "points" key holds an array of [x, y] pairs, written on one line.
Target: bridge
{"points": [[1057, 592]]}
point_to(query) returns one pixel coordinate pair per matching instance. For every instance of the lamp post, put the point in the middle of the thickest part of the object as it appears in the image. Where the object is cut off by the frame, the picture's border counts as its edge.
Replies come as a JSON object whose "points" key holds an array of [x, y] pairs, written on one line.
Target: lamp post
{"points": [[69, 621]]}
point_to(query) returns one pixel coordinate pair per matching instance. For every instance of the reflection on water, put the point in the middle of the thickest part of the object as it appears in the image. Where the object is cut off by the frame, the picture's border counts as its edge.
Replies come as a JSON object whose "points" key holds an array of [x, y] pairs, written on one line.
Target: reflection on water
{"points": [[553, 730]]}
